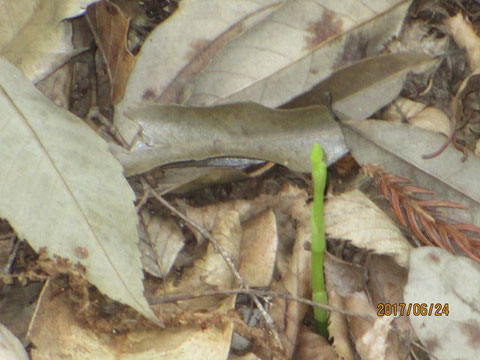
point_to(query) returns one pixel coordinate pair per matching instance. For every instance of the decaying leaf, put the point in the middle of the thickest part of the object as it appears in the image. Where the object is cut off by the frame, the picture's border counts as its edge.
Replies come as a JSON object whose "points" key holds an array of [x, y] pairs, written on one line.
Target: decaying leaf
{"points": [[288, 314], [160, 242], [36, 36], [338, 328], [452, 331], [62, 189], [462, 31], [259, 249], [373, 344], [353, 216], [175, 133], [110, 28], [368, 332], [386, 280], [399, 149], [312, 346]]}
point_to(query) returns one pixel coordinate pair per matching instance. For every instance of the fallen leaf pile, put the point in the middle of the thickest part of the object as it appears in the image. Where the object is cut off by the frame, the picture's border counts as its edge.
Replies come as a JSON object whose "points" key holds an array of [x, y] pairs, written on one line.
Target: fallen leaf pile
{"points": [[154, 178]]}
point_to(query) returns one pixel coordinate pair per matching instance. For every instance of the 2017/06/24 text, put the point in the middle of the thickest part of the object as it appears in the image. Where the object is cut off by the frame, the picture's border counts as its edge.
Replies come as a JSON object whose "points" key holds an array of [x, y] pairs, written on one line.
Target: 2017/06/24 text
{"points": [[415, 309]]}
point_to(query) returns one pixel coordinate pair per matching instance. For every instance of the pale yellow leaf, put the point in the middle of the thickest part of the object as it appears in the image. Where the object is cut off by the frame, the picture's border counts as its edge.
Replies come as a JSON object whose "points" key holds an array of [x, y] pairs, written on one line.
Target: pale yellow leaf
{"points": [[62, 189], [353, 216], [36, 35], [10, 347]]}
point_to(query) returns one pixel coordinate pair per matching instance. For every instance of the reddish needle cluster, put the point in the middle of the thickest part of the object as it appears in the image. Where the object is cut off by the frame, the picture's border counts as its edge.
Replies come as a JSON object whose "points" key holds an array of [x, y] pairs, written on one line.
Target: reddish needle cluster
{"points": [[421, 215]]}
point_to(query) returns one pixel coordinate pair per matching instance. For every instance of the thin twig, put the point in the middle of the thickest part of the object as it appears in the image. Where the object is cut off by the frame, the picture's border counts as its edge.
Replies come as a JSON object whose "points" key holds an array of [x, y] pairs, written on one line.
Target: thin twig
{"points": [[225, 255], [263, 293]]}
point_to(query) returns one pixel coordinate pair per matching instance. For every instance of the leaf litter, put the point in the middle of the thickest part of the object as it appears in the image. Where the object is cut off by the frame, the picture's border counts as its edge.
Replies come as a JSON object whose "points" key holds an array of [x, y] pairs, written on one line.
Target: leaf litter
{"points": [[216, 68]]}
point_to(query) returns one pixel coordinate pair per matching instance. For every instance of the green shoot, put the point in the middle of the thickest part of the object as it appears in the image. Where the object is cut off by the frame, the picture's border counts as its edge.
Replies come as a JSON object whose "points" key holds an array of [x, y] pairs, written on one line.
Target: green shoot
{"points": [[319, 295]]}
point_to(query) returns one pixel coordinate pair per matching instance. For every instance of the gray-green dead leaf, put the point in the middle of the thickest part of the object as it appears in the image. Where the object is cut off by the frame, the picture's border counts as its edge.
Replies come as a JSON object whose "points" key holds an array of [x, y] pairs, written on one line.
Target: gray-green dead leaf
{"points": [[171, 57], [278, 54], [296, 47], [36, 35], [399, 148], [60, 188], [452, 282], [359, 90], [173, 133]]}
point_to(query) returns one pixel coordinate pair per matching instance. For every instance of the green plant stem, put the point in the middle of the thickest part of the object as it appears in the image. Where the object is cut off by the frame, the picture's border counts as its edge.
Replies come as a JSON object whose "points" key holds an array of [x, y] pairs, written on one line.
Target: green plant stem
{"points": [[319, 176]]}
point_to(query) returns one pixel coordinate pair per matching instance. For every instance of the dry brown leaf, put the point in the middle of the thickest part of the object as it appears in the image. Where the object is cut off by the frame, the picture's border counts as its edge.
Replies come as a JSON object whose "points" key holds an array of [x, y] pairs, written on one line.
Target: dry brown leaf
{"points": [[63, 336], [358, 302], [36, 35], [312, 346], [386, 281], [353, 216], [418, 114], [288, 314], [110, 28], [259, 249], [462, 31], [160, 242], [338, 328], [210, 271], [342, 279], [57, 86]]}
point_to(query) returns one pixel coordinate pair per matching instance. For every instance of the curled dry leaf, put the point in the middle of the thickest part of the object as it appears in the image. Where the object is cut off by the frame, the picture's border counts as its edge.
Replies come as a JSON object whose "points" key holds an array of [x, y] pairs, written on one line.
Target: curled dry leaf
{"points": [[110, 28], [10, 347], [258, 249], [36, 36], [176, 133], [433, 279], [353, 216], [462, 31], [160, 242], [54, 166], [417, 114]]}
